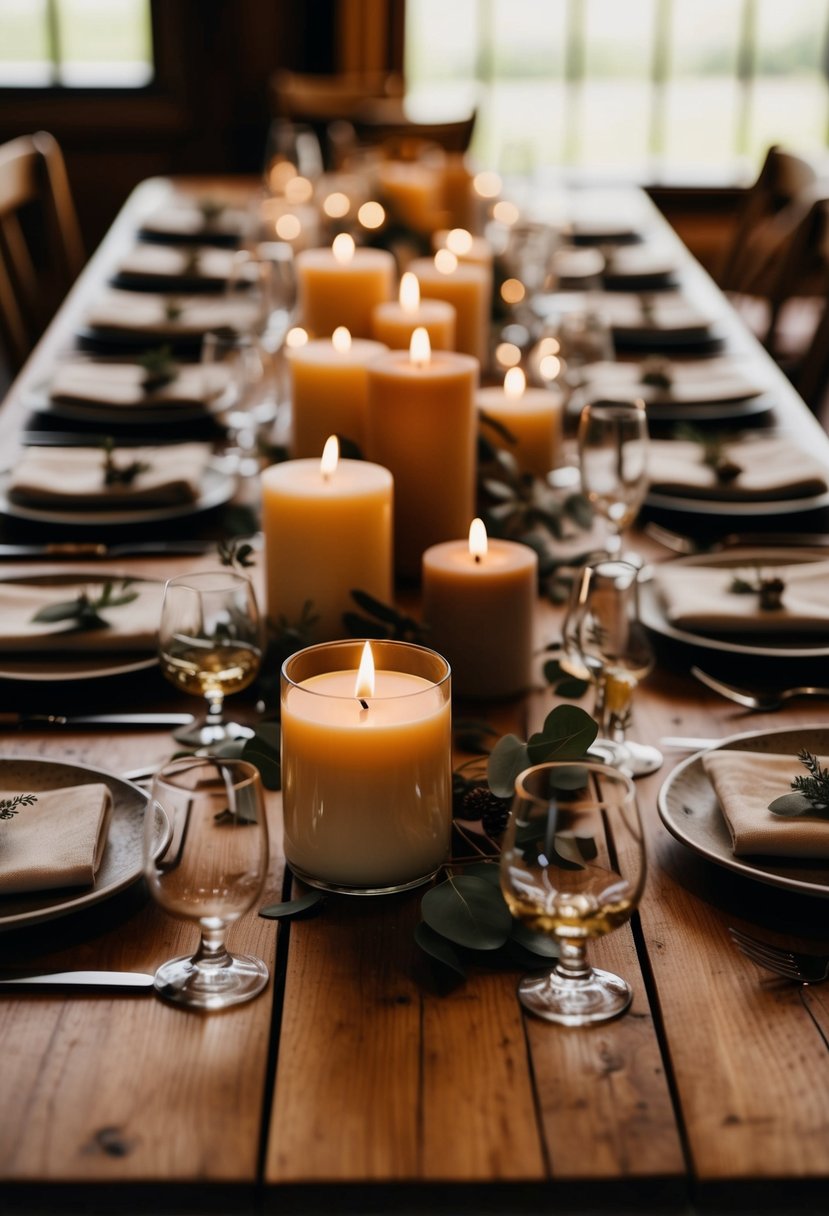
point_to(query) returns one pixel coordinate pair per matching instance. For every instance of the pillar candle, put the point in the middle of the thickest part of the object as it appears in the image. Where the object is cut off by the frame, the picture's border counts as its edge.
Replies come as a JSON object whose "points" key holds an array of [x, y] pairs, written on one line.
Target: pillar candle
{"points": [[469, 289], [341, 286], [456, 190], [467, 248], [533, 417], [422, 426], [394, 322], [329, 390], [478, 601], [412, 192], [366, 765], [328, 531]]}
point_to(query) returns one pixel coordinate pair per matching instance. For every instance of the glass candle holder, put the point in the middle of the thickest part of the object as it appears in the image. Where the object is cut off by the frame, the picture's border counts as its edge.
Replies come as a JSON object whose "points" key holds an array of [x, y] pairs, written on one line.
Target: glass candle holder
{"points": [[366, 765]]}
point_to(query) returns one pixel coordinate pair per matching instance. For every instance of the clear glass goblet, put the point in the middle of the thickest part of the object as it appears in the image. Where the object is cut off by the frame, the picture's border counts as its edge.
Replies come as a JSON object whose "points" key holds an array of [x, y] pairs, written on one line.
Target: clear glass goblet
{"points": [[573, 867], [234, 378], [210, 645], [205, 859], [604, 641], [613, 456]]}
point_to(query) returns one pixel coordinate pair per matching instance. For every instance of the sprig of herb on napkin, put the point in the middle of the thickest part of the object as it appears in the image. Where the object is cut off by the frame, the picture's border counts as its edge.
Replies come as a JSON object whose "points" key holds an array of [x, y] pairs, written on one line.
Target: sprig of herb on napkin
{"points": [[10, 806], [160, 368], [810, 794], [85, 610], [120, 475], [713, 446]]}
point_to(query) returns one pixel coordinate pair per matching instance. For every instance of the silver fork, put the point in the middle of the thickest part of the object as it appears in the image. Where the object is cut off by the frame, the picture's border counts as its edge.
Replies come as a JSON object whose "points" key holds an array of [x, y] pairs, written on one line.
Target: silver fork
{"points": [[793, 965], [773, 699]]}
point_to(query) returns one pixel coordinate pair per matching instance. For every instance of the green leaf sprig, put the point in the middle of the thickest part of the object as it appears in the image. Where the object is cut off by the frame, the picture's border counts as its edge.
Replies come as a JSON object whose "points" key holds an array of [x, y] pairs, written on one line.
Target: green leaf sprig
{"points": [[713, 454], [85, 610], [10, 806], [236, 552], [567, 734], [210, 209], [379, 620], [769, 588], [120, 475], [810, 794], [656, 373], [160, 368]]}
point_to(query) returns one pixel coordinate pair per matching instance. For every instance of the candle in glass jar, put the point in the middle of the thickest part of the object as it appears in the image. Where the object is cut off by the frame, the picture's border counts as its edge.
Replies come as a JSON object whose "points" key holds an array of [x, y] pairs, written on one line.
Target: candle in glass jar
{"points": [[328, 531], [421, 425], [394, 322], [341, 286], [366, 765], [329, 390], [478, 602], [533, 418], [468, 288]]}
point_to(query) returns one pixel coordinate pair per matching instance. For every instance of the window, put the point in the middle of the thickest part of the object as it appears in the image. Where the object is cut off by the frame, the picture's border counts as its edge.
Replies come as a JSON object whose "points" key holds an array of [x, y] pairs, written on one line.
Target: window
{"points": [[75, 43], [678, 89]]}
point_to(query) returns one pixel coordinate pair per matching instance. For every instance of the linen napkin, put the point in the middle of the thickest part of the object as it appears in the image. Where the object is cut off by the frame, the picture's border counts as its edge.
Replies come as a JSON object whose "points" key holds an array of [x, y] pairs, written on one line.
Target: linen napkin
{"points": [[123, 385], [74, 477], [668, 314], [692, 382], [172, 263], [130, 627], [702, 598], [187, 221], [745, 783], [771, 468], [645, 261], [164, 316], [57, 841]]}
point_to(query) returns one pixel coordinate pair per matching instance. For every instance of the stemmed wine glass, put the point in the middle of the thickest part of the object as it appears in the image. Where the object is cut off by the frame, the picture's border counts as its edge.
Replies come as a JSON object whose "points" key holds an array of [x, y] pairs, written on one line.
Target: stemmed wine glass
{"points": [[234, 376], [573, 866], [604, 641], [205, 859], [613, 455], [210, 644]]}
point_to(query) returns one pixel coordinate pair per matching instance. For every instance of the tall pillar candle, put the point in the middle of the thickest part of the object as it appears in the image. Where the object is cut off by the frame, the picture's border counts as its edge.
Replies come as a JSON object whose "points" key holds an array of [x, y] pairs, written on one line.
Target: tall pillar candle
{"points": [[412, 192], [467, 248], [329, 390], [366, 765], [469, 289], [533, 418], [422, 426], [479, 602], [341, 286], [395, 321], [328, 531]]}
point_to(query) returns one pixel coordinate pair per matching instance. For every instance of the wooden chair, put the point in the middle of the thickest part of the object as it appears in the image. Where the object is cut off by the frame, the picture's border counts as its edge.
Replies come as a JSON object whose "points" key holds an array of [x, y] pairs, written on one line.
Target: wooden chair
{"points": [[41, 251], [384, 123]]}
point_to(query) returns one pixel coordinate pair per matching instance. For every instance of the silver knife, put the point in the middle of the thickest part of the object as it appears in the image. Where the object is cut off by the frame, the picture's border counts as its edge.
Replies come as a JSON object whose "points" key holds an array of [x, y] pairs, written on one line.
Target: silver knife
{"points": [[141, 719], [137, 980], [84, 549]]}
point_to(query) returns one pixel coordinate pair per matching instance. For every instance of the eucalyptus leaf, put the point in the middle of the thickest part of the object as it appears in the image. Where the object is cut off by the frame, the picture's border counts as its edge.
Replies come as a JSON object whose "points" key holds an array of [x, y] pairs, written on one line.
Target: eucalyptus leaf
{"points": [[469, 911], [542, 944], [566, 735], [293, 908], [439, 949], [791, 806], [489, 871], [527, 960], [580, 510], [572, 688], [508, 758]]}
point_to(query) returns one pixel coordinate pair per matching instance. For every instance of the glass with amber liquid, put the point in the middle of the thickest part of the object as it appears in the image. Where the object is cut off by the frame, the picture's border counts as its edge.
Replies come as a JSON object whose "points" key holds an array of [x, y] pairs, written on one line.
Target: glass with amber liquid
{"points": [[209, 645], [573, 867]]}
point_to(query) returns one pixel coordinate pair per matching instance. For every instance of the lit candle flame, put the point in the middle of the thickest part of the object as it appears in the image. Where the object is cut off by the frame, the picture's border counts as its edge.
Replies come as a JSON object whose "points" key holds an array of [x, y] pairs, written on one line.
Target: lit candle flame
{"points": [[409, 293], [336, 205], [295, 337], [445, 261], [420, 348], [341, 340], [459, 241], [364, 686], [514, 383], [487, 184], [371, 215], [288, 226], [478, 543], [330, 457], [343, 248]]}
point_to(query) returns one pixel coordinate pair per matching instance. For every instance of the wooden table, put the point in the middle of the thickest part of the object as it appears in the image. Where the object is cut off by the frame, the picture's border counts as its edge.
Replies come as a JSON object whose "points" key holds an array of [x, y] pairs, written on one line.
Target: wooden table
{"points": [[352, 1084]]}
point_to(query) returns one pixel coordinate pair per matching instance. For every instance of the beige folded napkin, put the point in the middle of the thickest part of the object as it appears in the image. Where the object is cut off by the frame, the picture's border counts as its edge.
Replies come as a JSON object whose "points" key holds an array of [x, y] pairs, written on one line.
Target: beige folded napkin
{"points": [[692, 382], [149, 261], [166, 316], [187, 219], [745, 783], [668, 313], [639, 261], [74, 477], [123, 385], [130, 627], [701, 598], [770, 468], [57, 841]]}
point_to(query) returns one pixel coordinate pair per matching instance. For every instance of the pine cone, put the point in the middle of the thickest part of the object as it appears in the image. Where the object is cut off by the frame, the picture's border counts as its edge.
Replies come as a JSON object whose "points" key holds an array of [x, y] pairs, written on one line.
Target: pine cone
{"points": [[476, 802], [494, 820]]}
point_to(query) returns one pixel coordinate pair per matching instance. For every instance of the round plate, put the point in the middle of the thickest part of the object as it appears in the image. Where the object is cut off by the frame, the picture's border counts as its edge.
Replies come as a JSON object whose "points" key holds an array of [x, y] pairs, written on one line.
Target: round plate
{"points": [[121, 864], [691, 812], [58, 666], [217, 488], [764, 646]]}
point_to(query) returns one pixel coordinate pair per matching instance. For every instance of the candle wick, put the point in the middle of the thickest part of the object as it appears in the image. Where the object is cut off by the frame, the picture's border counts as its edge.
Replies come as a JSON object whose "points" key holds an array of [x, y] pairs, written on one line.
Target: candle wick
{"points": [[477, 559], [363, 704]]}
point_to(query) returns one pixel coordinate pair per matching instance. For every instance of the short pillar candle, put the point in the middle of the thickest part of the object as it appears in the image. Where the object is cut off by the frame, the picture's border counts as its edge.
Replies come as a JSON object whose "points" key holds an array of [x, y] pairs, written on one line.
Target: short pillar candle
{"points": [[328, 531], [468, 288], [531, 416], [329, 390], [395, 321], [341, 286], [366, 765], [479, 603], [422, 426]]}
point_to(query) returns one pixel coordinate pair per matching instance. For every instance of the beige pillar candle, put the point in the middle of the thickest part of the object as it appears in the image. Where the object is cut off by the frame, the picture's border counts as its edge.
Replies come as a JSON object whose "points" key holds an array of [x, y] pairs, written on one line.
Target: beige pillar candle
{"points": [[469, 288], [533, 417], [456, 190], [328, 531], [329, 390], [422, 426], [394, 322], [466, 247], [478, 601], [412, 192], [341, 286]]}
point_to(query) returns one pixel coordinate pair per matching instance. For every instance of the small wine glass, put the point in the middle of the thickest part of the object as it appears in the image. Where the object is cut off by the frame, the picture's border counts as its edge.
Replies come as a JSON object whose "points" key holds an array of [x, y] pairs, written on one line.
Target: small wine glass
{"points": [[234, 378], [573, 866], [209, 643], [205, 859], [613, 456], [604, 641]]}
